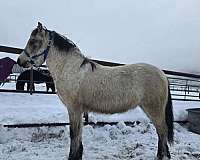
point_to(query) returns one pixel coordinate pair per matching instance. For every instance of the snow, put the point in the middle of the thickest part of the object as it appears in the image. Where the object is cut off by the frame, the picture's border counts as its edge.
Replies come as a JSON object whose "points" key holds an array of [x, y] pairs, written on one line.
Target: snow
{"points": [[116, 142], [40, 108], [138, 142]]}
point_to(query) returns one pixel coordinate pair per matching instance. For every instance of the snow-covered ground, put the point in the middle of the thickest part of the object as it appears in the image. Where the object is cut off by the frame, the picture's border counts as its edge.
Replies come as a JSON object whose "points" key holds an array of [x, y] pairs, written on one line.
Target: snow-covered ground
{"points": [[118, 142]]}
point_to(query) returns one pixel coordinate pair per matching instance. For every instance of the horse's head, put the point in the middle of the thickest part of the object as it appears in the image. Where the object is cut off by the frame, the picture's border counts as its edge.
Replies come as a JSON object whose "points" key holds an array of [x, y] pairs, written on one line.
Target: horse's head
{"points": [[37, 48]]}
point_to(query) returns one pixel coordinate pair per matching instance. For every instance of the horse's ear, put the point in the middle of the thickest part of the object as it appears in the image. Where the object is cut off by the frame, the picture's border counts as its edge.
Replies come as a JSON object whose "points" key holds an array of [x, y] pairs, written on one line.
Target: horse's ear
{"points": [[39, 26]]}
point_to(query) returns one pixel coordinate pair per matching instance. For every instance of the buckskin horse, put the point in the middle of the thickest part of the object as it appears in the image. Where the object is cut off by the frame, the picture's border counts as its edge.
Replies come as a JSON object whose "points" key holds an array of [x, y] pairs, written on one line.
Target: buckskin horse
{"points": [[84, 85]]}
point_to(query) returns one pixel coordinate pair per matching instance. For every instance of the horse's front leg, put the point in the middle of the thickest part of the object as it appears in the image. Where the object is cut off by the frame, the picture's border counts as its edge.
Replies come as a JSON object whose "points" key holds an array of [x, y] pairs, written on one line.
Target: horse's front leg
{"points": [[76, 147], [47, 86], [28, 86]]}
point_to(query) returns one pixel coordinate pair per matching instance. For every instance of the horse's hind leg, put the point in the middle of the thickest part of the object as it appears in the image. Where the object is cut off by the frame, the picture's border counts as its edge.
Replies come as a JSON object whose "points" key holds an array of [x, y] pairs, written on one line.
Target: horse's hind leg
{"points": [[53, 88], [76, 147], [28, 86], [163, 149], [47, 86], [157, 116]]}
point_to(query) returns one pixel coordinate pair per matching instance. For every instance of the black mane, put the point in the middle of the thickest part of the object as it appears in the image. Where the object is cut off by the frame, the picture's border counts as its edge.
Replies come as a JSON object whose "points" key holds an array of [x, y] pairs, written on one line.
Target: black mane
{"points": [[61, 42], [64, 44]]}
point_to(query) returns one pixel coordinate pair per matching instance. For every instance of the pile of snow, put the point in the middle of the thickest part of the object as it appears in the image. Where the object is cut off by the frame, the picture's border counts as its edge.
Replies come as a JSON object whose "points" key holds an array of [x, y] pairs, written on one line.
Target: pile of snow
{"points": [[115, 142]]}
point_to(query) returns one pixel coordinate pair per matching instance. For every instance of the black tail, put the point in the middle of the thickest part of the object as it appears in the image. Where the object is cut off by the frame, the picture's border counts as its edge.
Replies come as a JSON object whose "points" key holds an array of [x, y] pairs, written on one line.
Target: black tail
{"points": [[169, 118]]}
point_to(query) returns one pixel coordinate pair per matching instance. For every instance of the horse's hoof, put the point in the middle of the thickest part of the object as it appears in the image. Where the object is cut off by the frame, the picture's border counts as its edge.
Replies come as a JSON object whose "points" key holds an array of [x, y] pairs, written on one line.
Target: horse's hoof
{"points": [[164, 158]]}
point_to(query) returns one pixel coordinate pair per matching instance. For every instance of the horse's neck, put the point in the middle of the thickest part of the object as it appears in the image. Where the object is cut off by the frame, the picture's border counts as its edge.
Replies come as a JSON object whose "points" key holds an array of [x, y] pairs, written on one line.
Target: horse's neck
{"points": [[57, 61]]}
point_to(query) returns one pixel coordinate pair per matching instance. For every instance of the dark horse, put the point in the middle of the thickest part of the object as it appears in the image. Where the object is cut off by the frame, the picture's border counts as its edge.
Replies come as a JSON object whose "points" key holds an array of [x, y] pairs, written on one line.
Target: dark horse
{"points": [[42, 76]]}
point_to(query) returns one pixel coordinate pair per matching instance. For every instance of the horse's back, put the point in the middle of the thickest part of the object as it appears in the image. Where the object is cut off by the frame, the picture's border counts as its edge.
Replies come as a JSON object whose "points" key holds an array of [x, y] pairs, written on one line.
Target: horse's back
{"points": [[140, 75], [121, 87]]}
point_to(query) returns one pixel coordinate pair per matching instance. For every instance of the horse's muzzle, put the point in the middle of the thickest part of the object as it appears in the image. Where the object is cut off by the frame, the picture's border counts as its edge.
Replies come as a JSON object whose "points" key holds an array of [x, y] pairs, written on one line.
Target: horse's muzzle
{"points": [[24, 65], [19, 62]]}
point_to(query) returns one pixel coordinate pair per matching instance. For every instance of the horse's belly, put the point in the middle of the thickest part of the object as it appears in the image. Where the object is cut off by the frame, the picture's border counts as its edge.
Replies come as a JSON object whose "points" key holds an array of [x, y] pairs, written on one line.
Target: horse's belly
{"points": [[110, 108], [111, 103]]}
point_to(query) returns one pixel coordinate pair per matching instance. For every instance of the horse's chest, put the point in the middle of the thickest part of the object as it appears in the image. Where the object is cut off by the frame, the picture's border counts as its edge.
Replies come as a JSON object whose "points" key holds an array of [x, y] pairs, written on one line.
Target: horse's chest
{"points": [[67, 90]]}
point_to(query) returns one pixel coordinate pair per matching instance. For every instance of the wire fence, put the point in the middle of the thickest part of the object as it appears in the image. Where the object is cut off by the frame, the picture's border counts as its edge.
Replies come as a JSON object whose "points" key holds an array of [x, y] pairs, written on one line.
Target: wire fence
{"points": [[183, 87]]}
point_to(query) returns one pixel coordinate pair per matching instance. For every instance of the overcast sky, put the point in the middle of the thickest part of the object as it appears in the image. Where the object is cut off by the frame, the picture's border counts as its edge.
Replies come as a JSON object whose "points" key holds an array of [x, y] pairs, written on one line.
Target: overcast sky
{"points": [[165, 33]]}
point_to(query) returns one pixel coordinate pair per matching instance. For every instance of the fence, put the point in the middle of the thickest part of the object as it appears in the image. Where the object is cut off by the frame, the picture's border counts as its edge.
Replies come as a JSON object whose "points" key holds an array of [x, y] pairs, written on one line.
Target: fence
{"points": [[183, 86]]}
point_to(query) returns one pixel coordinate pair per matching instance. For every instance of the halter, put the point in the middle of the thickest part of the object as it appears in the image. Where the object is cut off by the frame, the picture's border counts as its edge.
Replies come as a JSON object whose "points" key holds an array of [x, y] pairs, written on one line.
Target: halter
{"points": [[45, 52]]}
